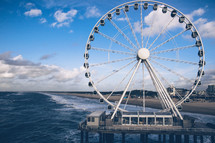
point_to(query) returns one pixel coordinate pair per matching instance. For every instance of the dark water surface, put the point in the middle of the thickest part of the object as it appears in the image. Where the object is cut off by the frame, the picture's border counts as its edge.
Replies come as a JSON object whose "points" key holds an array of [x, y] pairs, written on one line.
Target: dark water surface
{"points": [[41, 118]]}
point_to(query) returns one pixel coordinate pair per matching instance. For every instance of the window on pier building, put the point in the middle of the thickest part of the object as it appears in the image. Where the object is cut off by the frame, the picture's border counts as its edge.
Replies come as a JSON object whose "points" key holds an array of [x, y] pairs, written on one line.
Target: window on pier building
{"points": [[168, 121], [159, 121], [142, 120], [134, 120], [125, 120], [151, 121], [93, 119]]}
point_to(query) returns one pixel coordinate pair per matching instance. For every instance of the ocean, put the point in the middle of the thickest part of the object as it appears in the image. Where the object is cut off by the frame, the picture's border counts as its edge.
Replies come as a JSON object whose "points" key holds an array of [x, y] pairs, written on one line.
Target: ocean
{"points": [[30, 117]]}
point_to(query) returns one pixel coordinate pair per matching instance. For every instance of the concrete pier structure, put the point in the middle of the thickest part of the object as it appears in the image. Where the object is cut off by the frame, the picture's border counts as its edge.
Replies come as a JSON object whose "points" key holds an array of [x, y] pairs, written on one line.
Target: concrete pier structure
{"points": [[178, 138], [174, 135], [137, 124], [123, 137]]}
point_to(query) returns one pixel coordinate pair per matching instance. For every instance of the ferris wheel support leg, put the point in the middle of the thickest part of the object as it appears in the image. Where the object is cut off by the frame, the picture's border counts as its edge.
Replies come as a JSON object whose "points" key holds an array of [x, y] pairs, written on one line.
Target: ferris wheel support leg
{"points": [[158, 88], [144, 109], [161, 91], [163, 103], [165, 100], [117, 107], [167, 95]]}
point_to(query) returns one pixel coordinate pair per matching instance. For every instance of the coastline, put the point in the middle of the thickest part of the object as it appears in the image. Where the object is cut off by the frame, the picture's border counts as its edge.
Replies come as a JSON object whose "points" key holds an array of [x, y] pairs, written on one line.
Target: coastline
{"points": [[207, 108]]}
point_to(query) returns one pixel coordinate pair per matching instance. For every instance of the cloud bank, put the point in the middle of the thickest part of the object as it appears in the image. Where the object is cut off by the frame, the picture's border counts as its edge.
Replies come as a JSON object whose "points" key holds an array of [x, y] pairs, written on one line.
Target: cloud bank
{"points": [[16, 73]]}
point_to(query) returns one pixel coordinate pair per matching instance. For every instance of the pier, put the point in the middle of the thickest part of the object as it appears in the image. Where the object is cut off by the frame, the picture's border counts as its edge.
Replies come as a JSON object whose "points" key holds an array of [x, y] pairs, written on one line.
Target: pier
{"points": [[179, 133]]}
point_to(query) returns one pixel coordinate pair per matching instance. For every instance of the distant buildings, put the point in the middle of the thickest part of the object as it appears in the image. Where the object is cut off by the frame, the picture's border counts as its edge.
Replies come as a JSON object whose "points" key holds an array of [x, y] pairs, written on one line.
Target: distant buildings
{"points": [[201, 93], [173, 91], [211, 90]]}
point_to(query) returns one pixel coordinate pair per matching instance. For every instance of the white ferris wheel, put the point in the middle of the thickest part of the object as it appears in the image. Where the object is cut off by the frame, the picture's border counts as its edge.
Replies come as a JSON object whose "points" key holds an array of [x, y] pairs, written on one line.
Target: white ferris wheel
{"points": [[148, 46]]}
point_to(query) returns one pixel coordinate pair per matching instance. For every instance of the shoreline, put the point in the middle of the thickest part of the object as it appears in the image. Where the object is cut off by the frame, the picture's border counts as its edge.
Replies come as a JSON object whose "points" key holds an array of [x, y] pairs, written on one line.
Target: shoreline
{"points": [[207, 108]]}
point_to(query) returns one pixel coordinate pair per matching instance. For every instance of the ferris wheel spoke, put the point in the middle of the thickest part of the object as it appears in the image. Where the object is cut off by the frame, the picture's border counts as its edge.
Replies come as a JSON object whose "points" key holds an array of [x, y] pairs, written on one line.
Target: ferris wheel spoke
{"points": [[174, 60], [141, 19], [115, 41], [126, 88], [122, 33], [168, 40], [121, 81], [164, 79], [129, 23], [129, 95], [112, 51], [109, 62], [174, 49], [115, 71], [150, 31], [168, 69], [161, 32], [168, 99]]}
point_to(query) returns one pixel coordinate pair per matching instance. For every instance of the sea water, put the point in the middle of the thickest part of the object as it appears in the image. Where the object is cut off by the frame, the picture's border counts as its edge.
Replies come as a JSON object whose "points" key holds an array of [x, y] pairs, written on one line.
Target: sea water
{"points": [[30, 117]]}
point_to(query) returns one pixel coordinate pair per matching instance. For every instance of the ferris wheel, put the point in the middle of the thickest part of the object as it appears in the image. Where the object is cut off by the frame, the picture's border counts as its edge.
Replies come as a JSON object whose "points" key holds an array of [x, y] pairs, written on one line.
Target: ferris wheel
{"points": [[147, 46]]}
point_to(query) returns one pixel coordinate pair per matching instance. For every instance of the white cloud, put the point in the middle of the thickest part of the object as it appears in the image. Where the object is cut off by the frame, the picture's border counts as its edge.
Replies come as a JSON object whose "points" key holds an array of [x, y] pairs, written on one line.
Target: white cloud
{"points": [[33, 13], [159, 21], [17, 58], [66, 75], [43, 20], [63, 24], [92, 11], [198, 12], [205, 28], [200, 21], [71, 31], [64, 18], [54, 24], [61, 16]]}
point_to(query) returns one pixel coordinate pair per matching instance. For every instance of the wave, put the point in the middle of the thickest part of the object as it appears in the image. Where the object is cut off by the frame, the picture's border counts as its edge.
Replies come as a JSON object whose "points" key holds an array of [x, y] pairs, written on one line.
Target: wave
{"points": [[57, 99], [18, 93], [75, 102]]}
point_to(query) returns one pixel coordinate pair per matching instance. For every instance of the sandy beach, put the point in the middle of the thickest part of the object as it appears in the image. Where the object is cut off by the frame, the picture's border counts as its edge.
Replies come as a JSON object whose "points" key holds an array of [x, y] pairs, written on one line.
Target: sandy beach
{"points": [[192, 107]]}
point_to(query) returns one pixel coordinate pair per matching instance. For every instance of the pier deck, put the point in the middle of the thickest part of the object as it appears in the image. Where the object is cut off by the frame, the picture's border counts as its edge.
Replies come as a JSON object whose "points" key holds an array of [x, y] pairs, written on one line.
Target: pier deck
{"points": [[199, 129], [175, 133]]}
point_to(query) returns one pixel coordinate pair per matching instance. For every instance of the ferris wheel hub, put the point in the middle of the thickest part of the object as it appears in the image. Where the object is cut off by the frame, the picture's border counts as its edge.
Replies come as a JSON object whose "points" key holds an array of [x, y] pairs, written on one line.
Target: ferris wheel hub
{"points": [[143, 53]]}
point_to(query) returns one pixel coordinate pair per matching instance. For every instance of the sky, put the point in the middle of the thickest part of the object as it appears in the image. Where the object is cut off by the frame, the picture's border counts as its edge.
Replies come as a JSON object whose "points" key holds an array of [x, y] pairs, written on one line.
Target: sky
{"points": [[43, 41]]}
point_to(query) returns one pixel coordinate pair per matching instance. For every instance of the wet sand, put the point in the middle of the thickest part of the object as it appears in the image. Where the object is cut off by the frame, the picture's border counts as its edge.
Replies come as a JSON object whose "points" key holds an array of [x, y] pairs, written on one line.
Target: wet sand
{"points": [[192, 107]]}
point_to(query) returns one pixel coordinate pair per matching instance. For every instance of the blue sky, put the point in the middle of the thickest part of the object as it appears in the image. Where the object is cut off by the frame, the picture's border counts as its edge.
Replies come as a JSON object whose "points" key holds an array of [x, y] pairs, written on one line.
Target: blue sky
{"points": [[43, 41]]}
